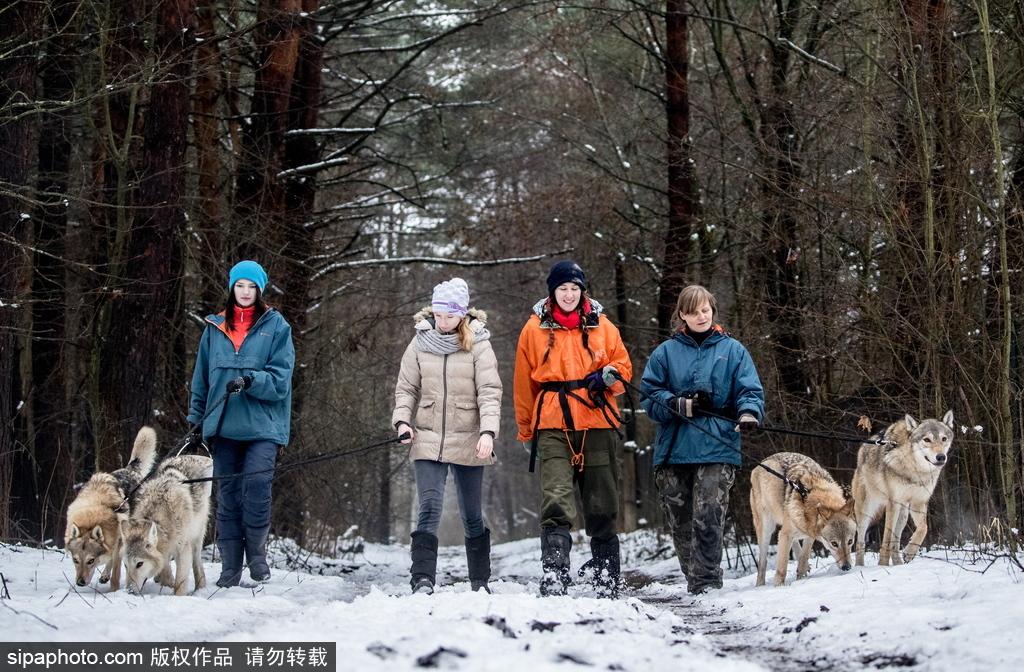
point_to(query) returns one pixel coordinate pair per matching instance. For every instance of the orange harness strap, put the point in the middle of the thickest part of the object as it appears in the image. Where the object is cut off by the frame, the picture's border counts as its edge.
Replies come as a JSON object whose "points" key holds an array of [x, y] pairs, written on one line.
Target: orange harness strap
{"points": [[577, 457]]}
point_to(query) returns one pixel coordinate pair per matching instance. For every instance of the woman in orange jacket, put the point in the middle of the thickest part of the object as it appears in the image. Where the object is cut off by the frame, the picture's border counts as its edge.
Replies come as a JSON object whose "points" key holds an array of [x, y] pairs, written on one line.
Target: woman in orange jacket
{"points": [[568, 364]]}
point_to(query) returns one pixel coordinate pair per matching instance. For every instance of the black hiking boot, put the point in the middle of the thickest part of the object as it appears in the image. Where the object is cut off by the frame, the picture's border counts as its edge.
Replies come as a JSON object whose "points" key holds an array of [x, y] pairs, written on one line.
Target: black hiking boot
{"points": [[424, 562], [555, 544], [478, 558]]}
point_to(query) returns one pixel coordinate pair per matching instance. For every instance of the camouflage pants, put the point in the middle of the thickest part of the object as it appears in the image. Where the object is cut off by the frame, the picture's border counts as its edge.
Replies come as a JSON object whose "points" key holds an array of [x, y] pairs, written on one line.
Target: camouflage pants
{"points": [[695, 498], [598, 482]]}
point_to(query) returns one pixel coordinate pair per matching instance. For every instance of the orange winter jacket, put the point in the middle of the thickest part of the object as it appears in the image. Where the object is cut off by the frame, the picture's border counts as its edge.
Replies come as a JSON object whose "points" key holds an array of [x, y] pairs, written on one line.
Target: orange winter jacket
{"points": [[568, 360]]}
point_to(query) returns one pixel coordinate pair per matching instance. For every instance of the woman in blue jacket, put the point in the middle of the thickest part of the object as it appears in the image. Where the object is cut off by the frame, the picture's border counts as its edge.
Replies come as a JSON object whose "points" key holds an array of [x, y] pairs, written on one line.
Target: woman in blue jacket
{"points": [[246, 350], [701, 368]]}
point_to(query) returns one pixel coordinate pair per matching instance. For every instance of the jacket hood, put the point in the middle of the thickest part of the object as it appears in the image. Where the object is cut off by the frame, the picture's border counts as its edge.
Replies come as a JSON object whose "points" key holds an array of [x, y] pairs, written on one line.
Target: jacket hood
{"points": [[541, 310], [424, 319]]}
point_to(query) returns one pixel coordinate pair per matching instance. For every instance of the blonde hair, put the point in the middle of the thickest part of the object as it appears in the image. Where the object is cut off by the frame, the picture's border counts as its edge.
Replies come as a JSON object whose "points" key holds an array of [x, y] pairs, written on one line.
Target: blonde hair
{"points": [[690, 299], [466, 336]]}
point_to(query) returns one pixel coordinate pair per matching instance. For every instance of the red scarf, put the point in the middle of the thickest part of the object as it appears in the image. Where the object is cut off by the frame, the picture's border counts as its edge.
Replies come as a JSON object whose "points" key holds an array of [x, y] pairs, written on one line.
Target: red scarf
{"points": [[567, 320], [243, 322]]}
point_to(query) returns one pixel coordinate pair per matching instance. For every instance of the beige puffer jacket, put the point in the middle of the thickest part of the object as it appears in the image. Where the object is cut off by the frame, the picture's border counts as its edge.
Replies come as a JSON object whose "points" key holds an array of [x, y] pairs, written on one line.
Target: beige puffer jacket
{"points": [[449, 399]]}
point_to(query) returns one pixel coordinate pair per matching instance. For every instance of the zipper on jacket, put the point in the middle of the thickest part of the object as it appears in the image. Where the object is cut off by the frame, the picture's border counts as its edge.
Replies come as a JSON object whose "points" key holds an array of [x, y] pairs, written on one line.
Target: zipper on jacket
{"points": [[444, 405]]}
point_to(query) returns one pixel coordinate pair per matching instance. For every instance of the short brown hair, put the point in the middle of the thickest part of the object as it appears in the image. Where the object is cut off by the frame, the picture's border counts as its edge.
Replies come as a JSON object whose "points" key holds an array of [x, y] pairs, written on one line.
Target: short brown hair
{"points": [[690, 299]]}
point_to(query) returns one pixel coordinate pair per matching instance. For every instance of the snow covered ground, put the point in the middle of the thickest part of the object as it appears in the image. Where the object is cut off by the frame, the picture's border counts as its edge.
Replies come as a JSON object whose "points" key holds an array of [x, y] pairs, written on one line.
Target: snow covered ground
{"points": [[945, 611]]}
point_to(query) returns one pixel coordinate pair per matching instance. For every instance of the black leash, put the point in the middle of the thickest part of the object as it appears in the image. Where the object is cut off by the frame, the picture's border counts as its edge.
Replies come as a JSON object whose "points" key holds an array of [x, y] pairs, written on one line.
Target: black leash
{"points": [[183, 443], [299, 463], [796, 485], [814, 435]]}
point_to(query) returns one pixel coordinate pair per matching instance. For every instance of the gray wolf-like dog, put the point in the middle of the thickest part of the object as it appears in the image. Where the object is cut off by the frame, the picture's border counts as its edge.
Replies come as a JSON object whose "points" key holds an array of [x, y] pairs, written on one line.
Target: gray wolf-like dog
{"points": [[824, 512], [168, 522], [899, 478], [92, 536]]}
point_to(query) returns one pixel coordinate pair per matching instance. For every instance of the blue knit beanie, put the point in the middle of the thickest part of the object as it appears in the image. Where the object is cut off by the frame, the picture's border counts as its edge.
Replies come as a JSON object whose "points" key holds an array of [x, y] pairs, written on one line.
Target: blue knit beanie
{"points": [[247, 270], [566, 271]]}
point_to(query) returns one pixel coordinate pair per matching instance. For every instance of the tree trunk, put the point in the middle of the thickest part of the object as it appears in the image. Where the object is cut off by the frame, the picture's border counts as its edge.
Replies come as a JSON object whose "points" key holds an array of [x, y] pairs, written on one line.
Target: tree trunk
{"points": [[143, 317], [210, 180], [782, 200], [297, 244], [50, 434], [682, 188], [116, 124], [18, 29]]}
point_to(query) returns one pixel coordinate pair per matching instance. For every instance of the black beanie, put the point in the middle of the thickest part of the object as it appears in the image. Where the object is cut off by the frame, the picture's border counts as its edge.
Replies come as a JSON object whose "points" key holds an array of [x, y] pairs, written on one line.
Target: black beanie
{"points": [[566, 271]]}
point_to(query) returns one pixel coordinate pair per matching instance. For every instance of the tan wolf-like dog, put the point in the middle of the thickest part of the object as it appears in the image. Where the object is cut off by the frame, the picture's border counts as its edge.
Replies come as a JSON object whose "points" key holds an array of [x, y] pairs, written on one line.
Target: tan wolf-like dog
{"points": [[92, 536], [168, 522], [899, 478], [824, 512]]}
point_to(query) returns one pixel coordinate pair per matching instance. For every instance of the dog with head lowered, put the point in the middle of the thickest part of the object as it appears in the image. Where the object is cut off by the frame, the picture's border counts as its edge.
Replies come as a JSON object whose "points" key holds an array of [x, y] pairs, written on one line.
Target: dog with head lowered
{"points": [[92, 536], [899, 478], [168, 522], [816, 509]]}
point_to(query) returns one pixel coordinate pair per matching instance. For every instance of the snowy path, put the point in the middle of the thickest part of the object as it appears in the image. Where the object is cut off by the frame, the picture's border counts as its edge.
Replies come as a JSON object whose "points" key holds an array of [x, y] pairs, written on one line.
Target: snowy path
{"points": [[930, 615]]}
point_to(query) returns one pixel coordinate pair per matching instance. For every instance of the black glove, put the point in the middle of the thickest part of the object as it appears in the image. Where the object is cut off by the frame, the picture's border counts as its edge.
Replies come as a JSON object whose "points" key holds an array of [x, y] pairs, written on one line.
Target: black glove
{"points": [[240, 383], [687, 405], [595, 381], [195, 434], [747, 423]]}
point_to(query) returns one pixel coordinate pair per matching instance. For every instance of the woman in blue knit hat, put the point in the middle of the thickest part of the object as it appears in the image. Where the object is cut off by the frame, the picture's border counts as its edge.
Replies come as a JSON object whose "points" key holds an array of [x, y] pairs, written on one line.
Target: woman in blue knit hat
{"points": [[246, 351]]}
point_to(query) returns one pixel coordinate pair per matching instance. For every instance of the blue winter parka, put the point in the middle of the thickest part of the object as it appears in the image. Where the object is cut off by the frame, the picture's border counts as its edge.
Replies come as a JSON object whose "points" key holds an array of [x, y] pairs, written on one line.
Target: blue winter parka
{"points": [[720, 366], [261, 412]]}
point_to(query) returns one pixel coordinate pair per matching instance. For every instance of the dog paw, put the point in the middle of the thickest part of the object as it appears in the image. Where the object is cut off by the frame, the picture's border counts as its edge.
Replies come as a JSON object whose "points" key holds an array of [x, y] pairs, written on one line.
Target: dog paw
{"points": [[104, 579]]}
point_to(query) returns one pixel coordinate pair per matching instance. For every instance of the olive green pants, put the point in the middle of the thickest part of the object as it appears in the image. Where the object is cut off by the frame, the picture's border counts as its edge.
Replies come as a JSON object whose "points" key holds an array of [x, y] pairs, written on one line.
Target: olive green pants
{"points": [[598, 481]]}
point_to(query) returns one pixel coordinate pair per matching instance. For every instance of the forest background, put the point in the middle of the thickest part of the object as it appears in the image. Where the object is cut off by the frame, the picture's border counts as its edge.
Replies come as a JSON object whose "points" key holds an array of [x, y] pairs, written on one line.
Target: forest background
{"points": [[846, 175]]}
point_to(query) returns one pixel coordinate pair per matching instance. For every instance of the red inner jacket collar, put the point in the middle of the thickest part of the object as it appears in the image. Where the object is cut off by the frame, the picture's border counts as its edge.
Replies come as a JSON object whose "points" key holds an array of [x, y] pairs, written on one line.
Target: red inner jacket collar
{"points": [[568, 320]]}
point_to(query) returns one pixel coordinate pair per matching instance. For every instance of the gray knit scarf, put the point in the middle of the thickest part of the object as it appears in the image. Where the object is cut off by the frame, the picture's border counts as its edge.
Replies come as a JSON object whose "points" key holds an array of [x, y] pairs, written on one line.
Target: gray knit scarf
{"points": [[437, 343]]}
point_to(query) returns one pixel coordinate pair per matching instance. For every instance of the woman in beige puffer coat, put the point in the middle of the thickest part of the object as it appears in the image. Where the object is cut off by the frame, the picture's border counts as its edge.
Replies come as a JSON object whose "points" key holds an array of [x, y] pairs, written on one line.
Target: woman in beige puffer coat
{"points": [[448, 400]]}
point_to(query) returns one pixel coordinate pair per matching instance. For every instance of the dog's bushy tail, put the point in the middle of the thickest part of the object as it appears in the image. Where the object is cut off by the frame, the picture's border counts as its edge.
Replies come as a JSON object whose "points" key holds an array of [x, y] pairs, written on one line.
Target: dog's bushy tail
{"points": [[143, 453]]}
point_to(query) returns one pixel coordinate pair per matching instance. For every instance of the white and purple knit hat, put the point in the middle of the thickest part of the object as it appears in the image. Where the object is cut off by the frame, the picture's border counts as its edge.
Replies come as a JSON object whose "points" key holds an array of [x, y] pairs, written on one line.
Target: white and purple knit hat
{"points": [[452, 297]]}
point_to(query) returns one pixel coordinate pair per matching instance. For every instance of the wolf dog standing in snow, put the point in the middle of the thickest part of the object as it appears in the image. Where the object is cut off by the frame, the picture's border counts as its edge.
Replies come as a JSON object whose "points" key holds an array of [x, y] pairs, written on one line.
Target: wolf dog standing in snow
{"points": [[823, 512], [168, 521], [92, 536], [899, 477]]}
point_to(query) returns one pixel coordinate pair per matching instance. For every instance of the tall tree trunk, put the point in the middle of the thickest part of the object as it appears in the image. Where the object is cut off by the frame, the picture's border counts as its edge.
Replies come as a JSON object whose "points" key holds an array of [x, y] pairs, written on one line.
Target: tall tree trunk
{"points": [[682, 187], [142, 318], [116, 123], [259, 197], [782, 200], [19, 27], [298, 244], [629, 490], [51, 418], [208, 224]]}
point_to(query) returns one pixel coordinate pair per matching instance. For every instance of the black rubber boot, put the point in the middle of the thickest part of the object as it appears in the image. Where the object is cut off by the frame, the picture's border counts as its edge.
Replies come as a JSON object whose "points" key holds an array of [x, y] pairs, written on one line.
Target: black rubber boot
{"points": [[478, 557], [606, 566], [555, 544], [230, 562], [256, 553], [424, 562]]}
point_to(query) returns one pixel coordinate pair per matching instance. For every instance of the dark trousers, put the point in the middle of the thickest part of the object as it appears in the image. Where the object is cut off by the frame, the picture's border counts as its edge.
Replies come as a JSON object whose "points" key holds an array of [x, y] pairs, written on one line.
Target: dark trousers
{"points": [[695, 498], [430, 482], [598, 482], [243, 504]]}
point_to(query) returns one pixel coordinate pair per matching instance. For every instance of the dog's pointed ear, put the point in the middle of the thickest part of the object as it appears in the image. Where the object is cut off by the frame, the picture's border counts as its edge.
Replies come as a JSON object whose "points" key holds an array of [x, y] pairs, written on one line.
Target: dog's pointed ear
{"points": [[97, 533], [947, 419], [154, 533], [75, 532], [911, 423]]}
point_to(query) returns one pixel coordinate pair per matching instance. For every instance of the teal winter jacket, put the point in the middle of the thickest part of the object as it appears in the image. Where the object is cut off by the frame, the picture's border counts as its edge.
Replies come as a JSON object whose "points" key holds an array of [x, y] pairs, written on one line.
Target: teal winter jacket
{"points": [[720, 366], [261, 412]]}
